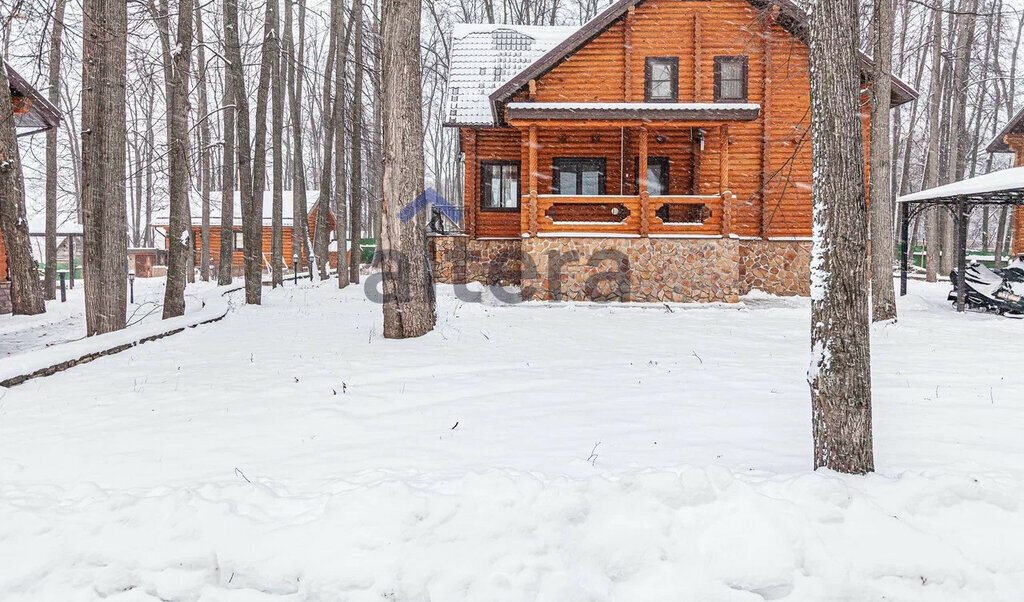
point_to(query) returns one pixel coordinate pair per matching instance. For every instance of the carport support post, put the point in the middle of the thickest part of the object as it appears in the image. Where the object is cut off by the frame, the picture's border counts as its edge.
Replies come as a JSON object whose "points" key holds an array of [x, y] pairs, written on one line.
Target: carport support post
{"points": [[963, 215], [71, 259], [904, 251]]}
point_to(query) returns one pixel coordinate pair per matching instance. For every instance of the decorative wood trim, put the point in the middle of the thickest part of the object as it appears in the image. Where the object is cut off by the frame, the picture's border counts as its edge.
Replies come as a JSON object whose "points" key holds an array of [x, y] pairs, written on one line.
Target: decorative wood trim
{"points": [[645, 197], [533, 179], [533, 90], [723, 162]]}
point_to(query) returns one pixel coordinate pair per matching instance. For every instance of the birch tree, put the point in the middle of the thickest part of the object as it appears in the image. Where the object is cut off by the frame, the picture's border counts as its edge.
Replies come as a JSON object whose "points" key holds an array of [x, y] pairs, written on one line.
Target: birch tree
{"points": [[840, 372]]}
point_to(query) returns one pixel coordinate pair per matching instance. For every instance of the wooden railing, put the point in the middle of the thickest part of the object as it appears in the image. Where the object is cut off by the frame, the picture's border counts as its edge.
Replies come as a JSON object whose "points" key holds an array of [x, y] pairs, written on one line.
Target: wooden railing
{"points": [[552, 214]]}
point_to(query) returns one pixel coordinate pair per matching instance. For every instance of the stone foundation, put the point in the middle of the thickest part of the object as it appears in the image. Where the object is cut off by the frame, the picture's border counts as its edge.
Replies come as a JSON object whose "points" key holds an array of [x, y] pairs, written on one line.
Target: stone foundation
{"points": [[777, 267], [632, 270], [646, 270], [458, 260], [5, 298]]}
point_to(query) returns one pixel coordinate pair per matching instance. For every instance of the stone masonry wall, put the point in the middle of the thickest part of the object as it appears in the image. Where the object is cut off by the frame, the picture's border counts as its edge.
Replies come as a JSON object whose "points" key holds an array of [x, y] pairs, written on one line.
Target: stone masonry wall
{"points": [[626, 269], [632, 269], [458, 260], [5, 298], [777, 267]]}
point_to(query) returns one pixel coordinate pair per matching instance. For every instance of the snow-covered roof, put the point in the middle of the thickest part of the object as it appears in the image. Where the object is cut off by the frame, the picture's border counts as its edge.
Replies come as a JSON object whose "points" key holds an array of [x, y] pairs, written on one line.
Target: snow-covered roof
{"points": [[1001, 186], [484, 57], [196, 202]]}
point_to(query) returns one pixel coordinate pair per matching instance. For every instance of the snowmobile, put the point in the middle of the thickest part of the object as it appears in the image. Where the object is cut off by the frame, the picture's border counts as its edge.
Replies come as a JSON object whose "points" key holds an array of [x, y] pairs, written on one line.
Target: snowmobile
{"points": [[998, 291]]}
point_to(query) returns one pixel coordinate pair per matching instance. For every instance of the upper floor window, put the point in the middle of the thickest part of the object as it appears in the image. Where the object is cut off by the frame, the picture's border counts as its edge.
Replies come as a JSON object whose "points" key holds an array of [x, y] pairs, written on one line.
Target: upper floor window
{"points": [[730, 79], [499, 188], [661, 79]]}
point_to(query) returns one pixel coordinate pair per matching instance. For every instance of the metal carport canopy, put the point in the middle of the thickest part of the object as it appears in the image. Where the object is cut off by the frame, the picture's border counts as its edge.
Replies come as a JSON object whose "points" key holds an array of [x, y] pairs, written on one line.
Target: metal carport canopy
{"points": [[1005, 187]]}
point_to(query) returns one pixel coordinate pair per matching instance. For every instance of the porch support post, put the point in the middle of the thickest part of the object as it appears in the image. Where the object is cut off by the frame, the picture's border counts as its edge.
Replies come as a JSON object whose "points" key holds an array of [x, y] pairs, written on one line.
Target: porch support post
{"points": [[723, 179], [533, 180], [904, 251], [641, 176], [962, 217]]}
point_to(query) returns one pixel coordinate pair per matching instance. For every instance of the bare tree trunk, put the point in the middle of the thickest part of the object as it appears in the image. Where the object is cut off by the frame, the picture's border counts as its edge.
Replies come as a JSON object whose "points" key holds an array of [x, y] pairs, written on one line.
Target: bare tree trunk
{"points": [[933, 234], [408, 288], [226, 253], [320, 235], [883, 295], [840, 373], [50, 275], [104, 48], [26, 293], [277, 133], [340, 177], [300, 210], [204, 151], [356, 188], [252, 208], [254, 270], [179, 237], [150, 154]]}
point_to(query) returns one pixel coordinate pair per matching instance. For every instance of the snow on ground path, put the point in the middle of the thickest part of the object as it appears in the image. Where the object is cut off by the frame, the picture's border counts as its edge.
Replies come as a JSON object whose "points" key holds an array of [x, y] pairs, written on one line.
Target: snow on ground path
{"points": [[64, 322], [529, 452]]}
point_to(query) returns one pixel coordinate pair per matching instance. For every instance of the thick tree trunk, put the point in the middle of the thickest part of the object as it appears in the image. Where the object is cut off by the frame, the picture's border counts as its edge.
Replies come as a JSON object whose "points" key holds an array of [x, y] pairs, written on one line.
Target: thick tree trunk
{"points": [[883, 294], [408, 288], [26, 292], [204, 151], [300, 210], [252, 208], [56, 36], [226, 253], [105, 221], [179, 238], [277, 178], [356, 187], [933, 232], [840, 373]]}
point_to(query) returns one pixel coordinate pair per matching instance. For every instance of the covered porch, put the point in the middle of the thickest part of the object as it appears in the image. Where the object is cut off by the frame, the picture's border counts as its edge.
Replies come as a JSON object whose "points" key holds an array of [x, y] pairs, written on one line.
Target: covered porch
{"points": [[583, 164]]}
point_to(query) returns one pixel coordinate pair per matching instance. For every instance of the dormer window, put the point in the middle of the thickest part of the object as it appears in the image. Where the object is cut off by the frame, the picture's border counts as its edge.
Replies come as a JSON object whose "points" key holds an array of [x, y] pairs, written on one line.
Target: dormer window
{"points": [[661, 77], [731, 79]]}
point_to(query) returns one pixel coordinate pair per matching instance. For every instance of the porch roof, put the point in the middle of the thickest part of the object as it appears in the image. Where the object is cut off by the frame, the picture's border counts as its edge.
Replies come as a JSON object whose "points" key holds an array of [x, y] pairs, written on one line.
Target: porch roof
{"points": [[638, 111], [1004, 187]]}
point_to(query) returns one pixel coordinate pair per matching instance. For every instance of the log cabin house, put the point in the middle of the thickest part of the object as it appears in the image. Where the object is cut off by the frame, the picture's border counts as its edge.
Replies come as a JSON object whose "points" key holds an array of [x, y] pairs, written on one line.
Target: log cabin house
{"points": [[33, 114], [237, 260], [1011, 141], [709, 99]]}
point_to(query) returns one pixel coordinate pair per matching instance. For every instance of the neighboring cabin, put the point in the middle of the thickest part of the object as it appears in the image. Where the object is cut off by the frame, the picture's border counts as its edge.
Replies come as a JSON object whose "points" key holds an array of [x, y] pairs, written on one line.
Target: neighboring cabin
{"points": [[708, 98], [1011, 141], [237, 260]]}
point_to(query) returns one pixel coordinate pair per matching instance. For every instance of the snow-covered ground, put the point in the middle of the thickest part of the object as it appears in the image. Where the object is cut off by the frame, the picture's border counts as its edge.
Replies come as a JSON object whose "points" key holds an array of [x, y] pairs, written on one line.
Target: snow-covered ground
{"points": [[65, 321], [529, 452]]}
